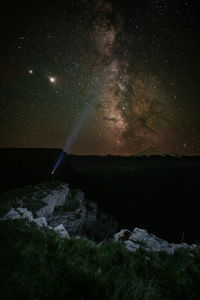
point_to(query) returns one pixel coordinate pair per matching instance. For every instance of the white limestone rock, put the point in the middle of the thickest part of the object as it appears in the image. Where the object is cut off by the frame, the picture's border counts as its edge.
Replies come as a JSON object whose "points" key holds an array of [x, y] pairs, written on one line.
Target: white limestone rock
{"points": [[173, 247], [40, 221], [18, 213], [62, 231], [131, 246], [55, 204], [123, 235], [151, 241], [140, 238], [11, 215], [55, 199], [24, 213]]}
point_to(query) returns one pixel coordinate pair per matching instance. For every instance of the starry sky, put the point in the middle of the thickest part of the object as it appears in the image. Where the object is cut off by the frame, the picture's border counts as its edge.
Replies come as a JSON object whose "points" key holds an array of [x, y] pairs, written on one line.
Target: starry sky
{"points": [[100, 77]]}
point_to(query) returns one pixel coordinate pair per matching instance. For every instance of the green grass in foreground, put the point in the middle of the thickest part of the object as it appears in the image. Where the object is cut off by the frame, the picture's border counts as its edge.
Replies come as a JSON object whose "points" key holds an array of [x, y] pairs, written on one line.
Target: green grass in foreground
{"points": [[37, 264]]}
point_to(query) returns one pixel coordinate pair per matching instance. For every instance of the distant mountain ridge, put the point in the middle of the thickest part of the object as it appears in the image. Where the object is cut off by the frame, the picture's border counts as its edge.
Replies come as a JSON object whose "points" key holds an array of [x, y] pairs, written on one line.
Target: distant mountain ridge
{"points": [[146, 153], [157, 152]]}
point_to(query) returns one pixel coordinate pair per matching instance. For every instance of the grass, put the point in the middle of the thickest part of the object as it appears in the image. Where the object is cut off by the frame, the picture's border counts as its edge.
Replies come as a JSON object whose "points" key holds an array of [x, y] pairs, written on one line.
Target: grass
{"points": [[37, 264]]}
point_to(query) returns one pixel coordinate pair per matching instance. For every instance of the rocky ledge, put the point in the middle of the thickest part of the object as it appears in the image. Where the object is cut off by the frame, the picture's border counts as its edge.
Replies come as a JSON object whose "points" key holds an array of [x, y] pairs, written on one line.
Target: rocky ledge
{"points": [[140, 238], [67, 212], [62, 209]]}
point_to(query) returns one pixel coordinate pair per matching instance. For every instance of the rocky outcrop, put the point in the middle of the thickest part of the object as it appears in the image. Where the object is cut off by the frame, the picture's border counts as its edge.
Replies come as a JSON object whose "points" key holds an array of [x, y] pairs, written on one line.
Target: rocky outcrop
{"points": [[19, 213], [123, 235], [40, 221], [12, 214], [23, 213], [67, 212], [72, 214], [64, 210], [62, 231], [140, 238], [56, 198]]}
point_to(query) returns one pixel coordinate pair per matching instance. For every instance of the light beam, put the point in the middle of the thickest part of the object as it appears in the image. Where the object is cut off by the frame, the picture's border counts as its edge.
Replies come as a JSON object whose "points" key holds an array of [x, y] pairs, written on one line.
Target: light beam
{"points": [[58, 162], [91, 100]]}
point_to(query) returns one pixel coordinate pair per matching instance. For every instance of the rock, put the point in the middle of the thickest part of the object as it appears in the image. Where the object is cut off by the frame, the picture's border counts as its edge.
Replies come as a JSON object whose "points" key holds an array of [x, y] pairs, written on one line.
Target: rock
{"points": [[18, 213], [54, 204], [40, 221], [83, 218], [150, 240], [56, 198], [24, 213], [123, 235], [11, 215], [62, 231], [71, 215], [173, 247], [131, 246], [140, 238]]}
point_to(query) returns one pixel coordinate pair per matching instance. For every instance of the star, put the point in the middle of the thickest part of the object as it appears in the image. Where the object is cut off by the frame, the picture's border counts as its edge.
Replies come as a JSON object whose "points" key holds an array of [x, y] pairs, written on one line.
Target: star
{"points": [[123, 68], [52, 79]]}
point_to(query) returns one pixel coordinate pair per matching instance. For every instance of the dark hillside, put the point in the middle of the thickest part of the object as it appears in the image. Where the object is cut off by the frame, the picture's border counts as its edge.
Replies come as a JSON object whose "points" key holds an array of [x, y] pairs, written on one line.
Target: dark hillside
{"points": [[160, 194]]}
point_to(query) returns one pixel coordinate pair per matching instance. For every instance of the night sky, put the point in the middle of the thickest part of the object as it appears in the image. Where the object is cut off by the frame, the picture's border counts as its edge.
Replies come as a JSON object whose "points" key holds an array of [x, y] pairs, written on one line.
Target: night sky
{"points": [[107, 77]]}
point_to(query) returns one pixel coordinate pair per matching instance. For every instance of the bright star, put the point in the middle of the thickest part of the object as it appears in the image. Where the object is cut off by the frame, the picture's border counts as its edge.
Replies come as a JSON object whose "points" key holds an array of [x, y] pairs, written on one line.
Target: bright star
{"points": [[52, 79], [30, 71]]}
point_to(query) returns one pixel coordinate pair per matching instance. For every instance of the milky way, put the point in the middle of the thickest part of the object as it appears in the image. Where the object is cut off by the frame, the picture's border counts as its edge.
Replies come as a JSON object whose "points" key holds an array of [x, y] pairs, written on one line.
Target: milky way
{"points": [[135, 110], [123, 76]]}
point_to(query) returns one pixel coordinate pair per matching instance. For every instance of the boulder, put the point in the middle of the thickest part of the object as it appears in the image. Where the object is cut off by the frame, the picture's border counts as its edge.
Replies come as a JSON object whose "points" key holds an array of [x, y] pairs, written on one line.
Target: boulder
{"points": [[55, 199], [11, 215], [123, 235], [18, 213], [140, 238], [151, 241], [40, 221], [24, 213], [62, 231], [131, 246]]}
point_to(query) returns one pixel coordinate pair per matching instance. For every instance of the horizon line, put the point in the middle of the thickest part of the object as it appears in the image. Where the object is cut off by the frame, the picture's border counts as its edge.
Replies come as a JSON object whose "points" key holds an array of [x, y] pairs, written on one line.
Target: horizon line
{"points": [[140, 154]]}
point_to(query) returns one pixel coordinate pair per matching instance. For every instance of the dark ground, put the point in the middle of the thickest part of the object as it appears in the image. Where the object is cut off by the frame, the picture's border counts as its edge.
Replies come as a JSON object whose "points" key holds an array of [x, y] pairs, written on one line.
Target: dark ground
{"points": [[160, 194]]}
